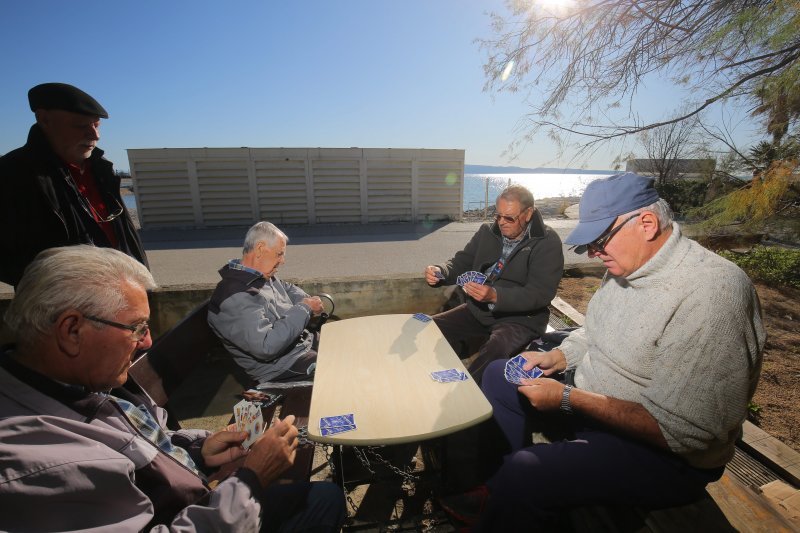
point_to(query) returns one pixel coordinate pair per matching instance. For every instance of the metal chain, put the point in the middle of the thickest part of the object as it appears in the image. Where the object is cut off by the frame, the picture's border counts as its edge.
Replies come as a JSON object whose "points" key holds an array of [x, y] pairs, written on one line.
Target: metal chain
{"points": [[332, 467]]}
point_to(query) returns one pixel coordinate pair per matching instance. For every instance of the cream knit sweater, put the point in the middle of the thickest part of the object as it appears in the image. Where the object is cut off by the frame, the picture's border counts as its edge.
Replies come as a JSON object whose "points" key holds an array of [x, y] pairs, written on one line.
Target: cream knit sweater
{"points": [[683, 337]]}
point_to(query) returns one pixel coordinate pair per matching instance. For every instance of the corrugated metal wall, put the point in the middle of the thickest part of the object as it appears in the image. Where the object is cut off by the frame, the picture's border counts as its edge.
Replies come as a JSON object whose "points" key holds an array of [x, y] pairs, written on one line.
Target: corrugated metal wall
{"points": [[207, 187]]}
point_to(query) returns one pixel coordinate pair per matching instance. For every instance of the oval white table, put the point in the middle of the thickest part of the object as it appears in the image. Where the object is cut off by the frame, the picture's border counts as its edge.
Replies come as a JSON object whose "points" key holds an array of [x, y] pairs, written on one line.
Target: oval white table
{"points": [[378, 368]]}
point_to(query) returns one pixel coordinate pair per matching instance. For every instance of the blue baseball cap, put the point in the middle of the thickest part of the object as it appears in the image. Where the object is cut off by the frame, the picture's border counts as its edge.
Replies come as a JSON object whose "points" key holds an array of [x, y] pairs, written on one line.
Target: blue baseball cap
{"points": [[607, 198]]}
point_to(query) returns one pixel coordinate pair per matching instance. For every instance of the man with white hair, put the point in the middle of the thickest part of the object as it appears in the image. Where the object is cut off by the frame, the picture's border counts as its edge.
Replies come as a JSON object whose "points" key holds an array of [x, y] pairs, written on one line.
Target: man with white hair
{"points": [[82, 447], [261, 319], [653, 389]]}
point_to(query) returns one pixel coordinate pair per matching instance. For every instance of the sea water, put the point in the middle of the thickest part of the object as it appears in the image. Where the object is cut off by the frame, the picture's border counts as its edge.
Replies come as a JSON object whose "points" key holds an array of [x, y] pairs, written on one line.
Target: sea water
{"points": [[540, 184]]}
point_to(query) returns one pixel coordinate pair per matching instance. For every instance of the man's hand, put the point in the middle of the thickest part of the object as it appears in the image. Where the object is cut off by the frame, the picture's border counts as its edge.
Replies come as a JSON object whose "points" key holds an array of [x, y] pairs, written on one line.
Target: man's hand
{"points": [[223, 446], [549, 363], [480, 293], [431, 277], [315, 303], [543, 393], [274, 451]]}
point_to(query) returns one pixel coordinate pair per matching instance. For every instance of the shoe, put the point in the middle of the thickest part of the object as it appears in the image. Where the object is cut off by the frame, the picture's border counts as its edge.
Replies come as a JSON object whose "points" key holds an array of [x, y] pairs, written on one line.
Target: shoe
{"points": [[466, 507]]}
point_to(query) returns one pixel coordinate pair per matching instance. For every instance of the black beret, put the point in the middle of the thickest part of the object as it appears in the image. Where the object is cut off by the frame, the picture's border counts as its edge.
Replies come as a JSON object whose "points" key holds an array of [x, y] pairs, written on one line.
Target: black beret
{"points": [[65, 97]]}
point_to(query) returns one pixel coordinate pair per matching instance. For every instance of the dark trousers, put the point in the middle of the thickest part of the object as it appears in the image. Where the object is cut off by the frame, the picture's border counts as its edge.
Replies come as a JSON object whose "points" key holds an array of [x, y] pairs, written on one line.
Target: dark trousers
{"points": [[591, 467], [313, 507], [501, 341]]}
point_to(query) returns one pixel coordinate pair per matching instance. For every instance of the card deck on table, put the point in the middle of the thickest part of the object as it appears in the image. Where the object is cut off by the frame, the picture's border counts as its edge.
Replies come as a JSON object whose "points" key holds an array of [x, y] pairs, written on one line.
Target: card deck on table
{"points": [[450, 375], [334, 430], [514, 372], [472, 275], [422, 317], [331, 425], [248, 418]]}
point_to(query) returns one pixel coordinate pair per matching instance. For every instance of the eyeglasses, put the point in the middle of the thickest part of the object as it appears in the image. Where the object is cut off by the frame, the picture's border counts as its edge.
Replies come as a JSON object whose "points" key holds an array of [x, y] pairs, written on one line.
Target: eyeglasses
{"points": [[508, 218], [599, 244], [139, 329], [87, 205]]}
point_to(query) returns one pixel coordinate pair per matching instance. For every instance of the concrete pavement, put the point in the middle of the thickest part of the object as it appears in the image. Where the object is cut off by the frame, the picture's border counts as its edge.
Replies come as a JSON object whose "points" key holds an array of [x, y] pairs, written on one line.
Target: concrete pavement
{"points": [[190, 258]]}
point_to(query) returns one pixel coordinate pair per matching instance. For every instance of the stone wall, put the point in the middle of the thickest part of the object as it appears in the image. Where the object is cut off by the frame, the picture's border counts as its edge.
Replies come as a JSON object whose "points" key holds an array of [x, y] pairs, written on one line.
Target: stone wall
{"points": [[353, 297]]}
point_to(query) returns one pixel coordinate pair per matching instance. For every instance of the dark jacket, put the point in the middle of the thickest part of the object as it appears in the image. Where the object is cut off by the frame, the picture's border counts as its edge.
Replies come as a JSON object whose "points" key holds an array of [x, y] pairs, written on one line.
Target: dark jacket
{"points": [[528, 281], [39, 210]]}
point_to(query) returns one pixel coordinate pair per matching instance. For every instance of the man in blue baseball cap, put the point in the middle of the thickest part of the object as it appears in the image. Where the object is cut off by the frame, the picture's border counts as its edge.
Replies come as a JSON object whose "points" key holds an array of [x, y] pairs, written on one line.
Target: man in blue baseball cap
{"points": [[652, 390], [58, 189]]}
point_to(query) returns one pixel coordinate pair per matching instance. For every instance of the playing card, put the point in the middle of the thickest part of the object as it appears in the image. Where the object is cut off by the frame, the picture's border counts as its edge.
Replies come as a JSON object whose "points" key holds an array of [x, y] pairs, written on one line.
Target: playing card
{"points": [[422, 317], [337, 421], [248, 418], [335, 430], [450, 375], [438, 274], [479, 278], [472, 275], [514, 372]]}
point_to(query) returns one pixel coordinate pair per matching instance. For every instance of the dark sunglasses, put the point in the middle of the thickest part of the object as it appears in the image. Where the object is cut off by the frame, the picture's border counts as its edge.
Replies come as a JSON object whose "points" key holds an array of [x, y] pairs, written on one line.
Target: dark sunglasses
{"points": [[139, 329], [598, 245], [508, 218]]}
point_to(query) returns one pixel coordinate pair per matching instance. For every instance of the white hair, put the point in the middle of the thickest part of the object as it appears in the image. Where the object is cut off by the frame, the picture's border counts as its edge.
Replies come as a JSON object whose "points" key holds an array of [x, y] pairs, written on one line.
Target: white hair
{"points": [[83, 277], [263, 231], [661, 209]]}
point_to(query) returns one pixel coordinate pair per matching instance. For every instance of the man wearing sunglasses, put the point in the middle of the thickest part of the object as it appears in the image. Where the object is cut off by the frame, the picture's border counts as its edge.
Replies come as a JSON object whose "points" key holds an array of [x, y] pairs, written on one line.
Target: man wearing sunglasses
{"points": [[58, 190], [523, 261], [657, 381], [84, 448]]}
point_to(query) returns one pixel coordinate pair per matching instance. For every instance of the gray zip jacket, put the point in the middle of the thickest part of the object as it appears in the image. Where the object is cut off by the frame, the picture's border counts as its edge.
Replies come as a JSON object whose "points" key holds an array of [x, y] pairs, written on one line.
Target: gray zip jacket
{"points": [[260, 321], [87, 468]]}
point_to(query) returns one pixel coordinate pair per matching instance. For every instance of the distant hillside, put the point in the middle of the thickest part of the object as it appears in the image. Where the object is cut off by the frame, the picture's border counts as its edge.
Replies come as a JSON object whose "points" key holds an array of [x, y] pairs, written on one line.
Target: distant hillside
{"points": [[489, 169]]}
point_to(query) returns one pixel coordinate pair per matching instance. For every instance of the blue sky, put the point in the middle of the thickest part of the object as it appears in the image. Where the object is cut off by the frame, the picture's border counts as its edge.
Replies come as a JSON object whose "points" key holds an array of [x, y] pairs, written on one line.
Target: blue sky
{"points": [[366, 73]]}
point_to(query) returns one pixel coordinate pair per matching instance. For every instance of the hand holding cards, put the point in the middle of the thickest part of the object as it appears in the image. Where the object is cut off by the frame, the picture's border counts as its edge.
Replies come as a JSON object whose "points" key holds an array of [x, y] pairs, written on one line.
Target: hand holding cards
{"points": [[473, 276], [248, 418], [514, 372]]}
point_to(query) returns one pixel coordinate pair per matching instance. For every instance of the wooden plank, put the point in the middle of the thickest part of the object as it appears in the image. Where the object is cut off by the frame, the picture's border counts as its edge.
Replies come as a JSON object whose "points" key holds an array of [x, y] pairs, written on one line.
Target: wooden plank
{"points": [[772, 452], [744, 509], [568, 310]]}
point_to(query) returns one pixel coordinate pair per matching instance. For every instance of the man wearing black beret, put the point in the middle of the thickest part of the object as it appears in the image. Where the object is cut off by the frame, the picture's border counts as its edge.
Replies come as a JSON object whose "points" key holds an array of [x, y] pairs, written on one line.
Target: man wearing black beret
{"points": [[58, 190]]}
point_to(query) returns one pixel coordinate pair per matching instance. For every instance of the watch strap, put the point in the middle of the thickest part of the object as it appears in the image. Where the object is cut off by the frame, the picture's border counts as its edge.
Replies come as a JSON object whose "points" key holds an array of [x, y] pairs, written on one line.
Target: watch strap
{"points": [[565, 405]]}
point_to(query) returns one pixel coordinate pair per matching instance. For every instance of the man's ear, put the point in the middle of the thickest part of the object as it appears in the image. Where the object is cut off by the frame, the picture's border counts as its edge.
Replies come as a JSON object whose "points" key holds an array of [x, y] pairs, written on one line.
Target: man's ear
{"points": [[650, 225], [68, 332]]}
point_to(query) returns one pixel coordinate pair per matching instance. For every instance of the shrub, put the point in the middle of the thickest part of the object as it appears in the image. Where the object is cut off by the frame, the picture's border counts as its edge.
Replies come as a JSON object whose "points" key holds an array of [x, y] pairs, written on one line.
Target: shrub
{"points": [[682, 195], [770, 264]]}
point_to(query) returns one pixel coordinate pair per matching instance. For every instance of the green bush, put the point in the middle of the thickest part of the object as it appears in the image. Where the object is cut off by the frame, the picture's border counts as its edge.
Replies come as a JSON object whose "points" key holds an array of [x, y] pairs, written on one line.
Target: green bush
{"points": [[682, 195], [770, 264]]}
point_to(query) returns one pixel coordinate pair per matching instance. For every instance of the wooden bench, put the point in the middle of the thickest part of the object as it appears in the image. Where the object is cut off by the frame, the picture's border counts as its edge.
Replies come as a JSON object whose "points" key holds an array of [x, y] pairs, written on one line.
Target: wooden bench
{"points": [[178, 353]]}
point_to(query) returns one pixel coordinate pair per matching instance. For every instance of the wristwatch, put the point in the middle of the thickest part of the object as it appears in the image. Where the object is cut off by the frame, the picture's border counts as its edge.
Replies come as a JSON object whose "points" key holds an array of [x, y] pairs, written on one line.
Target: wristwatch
{"points": [[565, 406]]}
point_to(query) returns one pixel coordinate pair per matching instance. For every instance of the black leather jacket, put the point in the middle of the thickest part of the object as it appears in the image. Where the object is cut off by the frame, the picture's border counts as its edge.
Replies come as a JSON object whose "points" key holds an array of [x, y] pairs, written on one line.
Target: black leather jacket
{"points": [[38, 209]]}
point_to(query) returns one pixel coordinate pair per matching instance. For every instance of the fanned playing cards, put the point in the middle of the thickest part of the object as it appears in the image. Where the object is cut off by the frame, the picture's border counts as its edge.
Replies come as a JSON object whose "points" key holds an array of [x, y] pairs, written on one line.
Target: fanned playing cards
{"points": [[248, 418], [472, 275], [514, 372]]}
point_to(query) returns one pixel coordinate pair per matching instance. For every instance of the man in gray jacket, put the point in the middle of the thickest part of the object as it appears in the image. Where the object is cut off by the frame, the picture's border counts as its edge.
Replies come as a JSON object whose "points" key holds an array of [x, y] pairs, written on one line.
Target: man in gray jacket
{"points": [[82, 447], [261, 319]]}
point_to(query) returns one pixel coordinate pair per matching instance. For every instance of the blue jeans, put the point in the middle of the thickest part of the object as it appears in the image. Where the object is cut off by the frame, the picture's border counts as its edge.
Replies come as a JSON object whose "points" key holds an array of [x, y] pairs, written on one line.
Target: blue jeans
{"points": [[590, 467]]}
